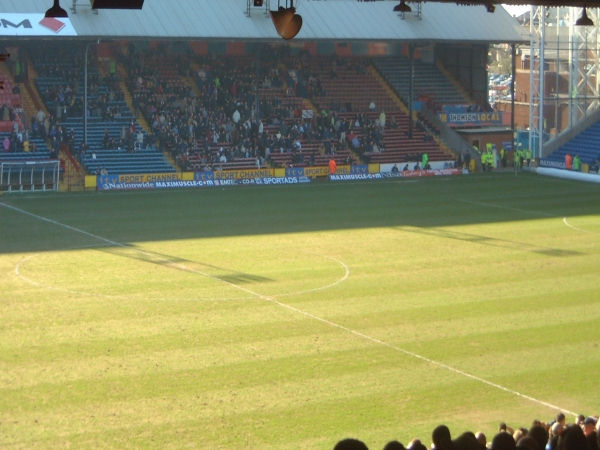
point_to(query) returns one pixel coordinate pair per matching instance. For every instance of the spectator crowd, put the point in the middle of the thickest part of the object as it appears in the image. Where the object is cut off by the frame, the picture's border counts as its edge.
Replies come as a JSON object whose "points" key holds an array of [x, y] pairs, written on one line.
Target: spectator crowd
{"points": [[557, 434], [209, 110]]}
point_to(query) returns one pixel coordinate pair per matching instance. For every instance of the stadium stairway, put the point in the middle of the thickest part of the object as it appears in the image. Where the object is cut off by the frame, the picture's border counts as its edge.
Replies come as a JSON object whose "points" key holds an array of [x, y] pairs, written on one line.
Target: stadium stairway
{"points": [[129, 99], [393, 94], [387, 78], [139, 117], [454, 82], [190, 81], [429, 80], [346, 85], [32, 92], [73, 175]]}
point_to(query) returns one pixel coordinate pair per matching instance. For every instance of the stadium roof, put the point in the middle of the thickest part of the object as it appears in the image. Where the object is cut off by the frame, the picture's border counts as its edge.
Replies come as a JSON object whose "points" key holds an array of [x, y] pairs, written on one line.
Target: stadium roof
{"points": [[228, 20]]}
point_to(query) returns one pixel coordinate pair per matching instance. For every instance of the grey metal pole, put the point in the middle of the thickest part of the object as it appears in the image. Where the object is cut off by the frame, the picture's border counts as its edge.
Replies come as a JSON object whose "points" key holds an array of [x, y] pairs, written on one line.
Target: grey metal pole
{"points": [[538, 153], [411, 76], [85, 94], [513, 57]]}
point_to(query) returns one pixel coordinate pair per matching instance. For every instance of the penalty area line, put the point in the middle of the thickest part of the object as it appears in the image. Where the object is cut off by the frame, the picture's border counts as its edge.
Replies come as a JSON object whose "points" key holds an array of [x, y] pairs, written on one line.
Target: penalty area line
{"points": [[330, 323], [508, 208], [530, 212]]}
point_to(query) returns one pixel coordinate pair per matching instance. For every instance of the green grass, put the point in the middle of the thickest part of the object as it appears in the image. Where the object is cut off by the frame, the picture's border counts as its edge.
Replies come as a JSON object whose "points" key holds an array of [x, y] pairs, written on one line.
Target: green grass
{"points": [[294, 316]]}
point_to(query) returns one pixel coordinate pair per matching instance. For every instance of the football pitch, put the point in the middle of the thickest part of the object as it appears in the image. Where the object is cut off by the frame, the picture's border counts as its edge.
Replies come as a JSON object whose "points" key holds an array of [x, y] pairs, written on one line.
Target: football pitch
{"points": [[288, 317]]}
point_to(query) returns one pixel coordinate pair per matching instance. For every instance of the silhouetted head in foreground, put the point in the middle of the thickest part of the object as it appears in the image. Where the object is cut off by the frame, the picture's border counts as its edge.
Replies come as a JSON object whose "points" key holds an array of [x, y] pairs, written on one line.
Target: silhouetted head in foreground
{"points": [[350, 444]]}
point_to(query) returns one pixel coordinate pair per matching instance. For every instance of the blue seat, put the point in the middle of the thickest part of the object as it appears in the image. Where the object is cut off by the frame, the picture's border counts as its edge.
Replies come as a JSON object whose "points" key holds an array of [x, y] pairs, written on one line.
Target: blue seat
{"points": [[585, 144]]}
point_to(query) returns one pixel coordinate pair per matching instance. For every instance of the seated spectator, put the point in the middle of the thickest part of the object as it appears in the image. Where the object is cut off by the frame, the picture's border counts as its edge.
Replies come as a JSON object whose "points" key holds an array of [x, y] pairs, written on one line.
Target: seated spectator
{"points": [[526, 443], [589, 430], [503, 441], [350, 444], [416, 444], [441, 438], [572, 438], [467, 441], [481, 438], [394, 445], [540, 434]]}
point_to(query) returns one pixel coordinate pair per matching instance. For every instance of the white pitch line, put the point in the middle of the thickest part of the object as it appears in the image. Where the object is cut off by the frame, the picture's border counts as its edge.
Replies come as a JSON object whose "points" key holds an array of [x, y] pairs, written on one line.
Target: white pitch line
{"points": [[509, 208], [566, 222], [63, 225], [539, 213], [317, 318], [322, 288]]}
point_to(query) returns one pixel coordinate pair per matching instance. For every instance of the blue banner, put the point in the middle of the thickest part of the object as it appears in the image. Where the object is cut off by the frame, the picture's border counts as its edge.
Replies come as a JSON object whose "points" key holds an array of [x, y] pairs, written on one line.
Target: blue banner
{"points": [[107, 179], [359, 169], [204, 176], [294, 171]]}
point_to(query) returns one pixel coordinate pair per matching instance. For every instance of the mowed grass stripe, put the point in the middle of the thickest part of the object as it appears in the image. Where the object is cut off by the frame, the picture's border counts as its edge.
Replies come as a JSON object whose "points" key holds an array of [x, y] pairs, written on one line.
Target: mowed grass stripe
{"points": [[499, 358], [132, 356], [297, 425], [375, 402], [184, 396], [196, 331]]}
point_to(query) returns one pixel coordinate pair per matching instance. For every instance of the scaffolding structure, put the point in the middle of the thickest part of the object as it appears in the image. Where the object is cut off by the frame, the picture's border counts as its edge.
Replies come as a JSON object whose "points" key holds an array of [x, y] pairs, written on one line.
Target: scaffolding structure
{"points": [[581, 53]]}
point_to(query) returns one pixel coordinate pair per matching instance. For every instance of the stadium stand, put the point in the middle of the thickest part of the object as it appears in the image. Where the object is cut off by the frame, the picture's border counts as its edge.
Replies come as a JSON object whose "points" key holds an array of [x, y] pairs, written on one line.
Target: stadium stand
{"points": [[111, 161], [430, 84], [585, 144], [351, 88], [61, 86], [290, 110], [224, 113], [17, 138], [38, 149]]}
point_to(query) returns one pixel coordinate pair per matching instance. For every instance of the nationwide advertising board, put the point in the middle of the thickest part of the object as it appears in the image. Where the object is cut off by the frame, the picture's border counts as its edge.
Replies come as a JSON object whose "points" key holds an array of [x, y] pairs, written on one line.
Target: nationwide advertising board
{"points": [[251, 177], [174, 180]]}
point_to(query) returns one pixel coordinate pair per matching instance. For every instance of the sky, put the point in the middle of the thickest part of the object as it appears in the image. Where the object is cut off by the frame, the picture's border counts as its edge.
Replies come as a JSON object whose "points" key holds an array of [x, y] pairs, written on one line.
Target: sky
{"points": [[516, 10]]}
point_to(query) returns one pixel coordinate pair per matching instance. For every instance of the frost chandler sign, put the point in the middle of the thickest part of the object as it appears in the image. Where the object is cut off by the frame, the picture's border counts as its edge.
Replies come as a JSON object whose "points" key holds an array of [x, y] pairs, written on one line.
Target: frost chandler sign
{"points": [[14, 24]]}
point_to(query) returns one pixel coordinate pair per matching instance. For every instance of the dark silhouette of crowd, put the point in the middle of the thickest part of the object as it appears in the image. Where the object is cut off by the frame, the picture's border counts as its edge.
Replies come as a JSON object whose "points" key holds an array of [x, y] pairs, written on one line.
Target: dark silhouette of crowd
{"points": [[557, 434]]}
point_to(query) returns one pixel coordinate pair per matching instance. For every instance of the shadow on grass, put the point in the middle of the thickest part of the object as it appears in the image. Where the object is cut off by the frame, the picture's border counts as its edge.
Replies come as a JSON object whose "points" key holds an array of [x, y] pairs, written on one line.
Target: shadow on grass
{"points": [[183, 264], [57, 221], [492, 242]]}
